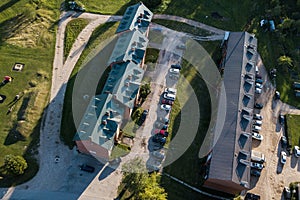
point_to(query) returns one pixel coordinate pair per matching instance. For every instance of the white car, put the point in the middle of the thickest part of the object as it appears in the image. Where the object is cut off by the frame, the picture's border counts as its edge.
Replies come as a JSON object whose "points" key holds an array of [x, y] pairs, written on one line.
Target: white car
{"points": [[255, 165], [257, 90], [283, 157], [258, 85], [170, 91], [258, 117], [174, 71], [169, 96], [257, 122], [297, 151], [256, 128], [165, 107], [257, 136]]}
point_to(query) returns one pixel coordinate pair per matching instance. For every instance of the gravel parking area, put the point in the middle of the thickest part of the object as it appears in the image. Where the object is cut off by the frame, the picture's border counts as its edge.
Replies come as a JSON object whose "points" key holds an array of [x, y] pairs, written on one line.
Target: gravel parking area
{"points": [[275, 176]]}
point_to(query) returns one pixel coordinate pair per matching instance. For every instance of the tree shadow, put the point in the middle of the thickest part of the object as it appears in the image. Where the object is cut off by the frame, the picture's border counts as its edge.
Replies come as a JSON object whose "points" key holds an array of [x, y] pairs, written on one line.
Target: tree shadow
{"points": [[8, 5], [13, 136]]}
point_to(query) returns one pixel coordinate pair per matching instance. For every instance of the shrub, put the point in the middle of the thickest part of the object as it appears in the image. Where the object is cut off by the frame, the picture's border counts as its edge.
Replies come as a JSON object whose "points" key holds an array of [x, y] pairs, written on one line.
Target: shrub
{"points": [[15, 164]]}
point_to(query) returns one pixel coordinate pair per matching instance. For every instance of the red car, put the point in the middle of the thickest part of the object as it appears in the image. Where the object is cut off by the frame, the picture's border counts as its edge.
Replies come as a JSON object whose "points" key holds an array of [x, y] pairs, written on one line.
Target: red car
{"points": [[161, 132], [168, 102]]}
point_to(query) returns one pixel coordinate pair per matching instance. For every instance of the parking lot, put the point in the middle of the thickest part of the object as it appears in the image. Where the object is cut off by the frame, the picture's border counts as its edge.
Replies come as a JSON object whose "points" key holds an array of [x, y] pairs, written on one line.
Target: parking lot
{"points": [[275, 176]]}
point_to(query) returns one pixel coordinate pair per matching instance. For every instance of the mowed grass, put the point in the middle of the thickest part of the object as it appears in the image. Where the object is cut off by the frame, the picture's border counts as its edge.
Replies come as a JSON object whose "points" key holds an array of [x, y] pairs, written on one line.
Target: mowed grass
{"points": [[101, 33], [293, 129], [73, 29], [107, 7], [20, 129]]}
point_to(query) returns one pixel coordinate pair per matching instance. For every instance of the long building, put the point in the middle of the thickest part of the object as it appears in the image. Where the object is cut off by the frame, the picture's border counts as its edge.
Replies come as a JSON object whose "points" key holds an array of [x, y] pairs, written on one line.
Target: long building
{"points": [[100, 126], [229, 161]]}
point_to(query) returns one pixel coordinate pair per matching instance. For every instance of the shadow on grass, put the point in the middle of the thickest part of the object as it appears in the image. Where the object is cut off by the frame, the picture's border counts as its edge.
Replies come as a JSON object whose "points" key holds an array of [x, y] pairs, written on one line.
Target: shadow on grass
{"points": [[11, 26], [8, 5]]}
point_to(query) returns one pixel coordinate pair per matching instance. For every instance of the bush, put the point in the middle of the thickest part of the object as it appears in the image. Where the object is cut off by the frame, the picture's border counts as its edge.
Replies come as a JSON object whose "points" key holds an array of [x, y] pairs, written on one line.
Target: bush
{"points": [[15, 164], [137, 114]]}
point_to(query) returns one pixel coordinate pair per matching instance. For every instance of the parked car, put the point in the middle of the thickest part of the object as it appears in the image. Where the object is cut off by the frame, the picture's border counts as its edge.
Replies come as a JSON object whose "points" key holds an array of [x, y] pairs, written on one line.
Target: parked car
{"points": [[283, 157], [297, 151], [281, 119], [258, 76], [277, 95], [258, 105], [258, 85], [181, 46], [283, 141], [164, 120], [258, 90], [160, 139], [257, 136], [257, 122], [154, 167], [258, 80], [254, 172], [165, 107], [257, 117], [255, 165], [251, 196], [144, 115], [164, 133], [176, 66], [256, 128], [170, 90], [168, 102], [287, 193], [174, 71], [158, 155], [169, 96], [160, 125], [87, 168]]}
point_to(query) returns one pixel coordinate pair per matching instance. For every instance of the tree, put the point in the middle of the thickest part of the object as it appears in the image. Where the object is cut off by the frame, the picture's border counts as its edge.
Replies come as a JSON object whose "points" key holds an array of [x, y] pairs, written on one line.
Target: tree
{"points": [[152, 189], [139, 183], [285, 61], [145, 90], [15, 164]]}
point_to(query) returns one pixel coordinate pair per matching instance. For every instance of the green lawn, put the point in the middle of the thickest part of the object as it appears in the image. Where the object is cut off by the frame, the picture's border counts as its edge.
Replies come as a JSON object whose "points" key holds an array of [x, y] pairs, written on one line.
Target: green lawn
{"points": [[73, 29], [20, 129], [293, 129]]}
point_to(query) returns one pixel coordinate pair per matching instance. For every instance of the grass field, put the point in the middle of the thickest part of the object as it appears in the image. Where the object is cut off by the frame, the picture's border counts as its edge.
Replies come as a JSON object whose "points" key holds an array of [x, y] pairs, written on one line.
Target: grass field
{"points": [[19, 130], [73, 29], [293, 129]]}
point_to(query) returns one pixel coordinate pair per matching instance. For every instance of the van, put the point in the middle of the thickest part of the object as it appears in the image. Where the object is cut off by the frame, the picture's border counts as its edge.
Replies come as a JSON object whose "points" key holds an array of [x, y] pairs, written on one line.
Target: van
{"points": [[169, 96], [258, 156]]}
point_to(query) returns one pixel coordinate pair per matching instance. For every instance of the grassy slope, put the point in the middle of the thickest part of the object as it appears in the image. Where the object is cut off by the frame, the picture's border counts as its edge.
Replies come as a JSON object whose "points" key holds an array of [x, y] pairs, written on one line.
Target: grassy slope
{"points": [[293, 129], [73, 29], [17, 137]]}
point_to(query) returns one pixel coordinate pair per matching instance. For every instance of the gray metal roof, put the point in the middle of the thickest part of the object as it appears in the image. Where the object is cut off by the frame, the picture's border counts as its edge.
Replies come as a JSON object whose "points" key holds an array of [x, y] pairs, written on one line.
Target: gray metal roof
{"points": [[137, 17], [101, 121], [231, 154], [123, 82], [130, 46]]}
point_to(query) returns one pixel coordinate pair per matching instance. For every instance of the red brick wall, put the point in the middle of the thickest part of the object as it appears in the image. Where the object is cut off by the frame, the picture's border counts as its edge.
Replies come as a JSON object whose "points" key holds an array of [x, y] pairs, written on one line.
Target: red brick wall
{"points": [[223, 186], [88, 147]]}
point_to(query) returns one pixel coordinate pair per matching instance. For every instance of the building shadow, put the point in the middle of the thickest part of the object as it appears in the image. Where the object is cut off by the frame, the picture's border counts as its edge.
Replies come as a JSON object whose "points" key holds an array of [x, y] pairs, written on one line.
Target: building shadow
{"points": [[106, 172]]}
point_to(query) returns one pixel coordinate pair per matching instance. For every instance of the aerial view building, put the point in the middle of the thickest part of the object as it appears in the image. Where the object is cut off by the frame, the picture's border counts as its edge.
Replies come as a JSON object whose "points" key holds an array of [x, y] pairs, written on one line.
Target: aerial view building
{"points": [[229, 163]]}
